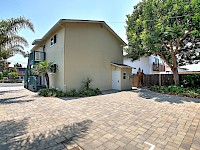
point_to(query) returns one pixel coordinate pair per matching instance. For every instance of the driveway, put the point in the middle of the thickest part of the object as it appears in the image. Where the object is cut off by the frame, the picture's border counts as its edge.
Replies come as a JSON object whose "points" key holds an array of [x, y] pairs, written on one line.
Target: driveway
{"points": [[129, 120]]}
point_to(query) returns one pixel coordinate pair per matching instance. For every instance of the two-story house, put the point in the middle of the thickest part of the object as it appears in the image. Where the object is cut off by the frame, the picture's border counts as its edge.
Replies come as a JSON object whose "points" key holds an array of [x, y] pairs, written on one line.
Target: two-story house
{"points": [[80, 49]]}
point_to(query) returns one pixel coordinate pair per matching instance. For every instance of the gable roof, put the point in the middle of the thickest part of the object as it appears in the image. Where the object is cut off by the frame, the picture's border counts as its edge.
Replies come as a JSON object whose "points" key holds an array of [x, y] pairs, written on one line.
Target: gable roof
{"points": [[61, 22]]}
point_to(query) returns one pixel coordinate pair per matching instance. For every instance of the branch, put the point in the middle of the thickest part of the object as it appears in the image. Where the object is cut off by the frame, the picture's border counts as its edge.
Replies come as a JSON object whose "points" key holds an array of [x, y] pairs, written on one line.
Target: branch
{"points": [[162, 56], [177, 45], [185, 35]]}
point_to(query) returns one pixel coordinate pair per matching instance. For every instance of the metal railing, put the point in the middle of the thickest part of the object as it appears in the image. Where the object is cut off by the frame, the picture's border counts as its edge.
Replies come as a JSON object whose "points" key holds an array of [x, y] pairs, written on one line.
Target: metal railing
{"points": [[33, 81], [36, 56]]}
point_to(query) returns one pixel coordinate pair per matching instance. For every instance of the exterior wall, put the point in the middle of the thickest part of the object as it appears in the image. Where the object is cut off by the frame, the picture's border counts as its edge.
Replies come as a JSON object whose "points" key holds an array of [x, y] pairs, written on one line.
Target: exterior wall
{"points": [[126, 84], [89, 49], [55, 54], [142, 63]]}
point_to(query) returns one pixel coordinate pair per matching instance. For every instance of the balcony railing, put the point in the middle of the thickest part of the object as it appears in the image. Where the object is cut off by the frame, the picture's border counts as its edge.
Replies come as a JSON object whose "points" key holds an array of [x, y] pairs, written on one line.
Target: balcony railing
{"points": [[158, 67], [36, 56]]}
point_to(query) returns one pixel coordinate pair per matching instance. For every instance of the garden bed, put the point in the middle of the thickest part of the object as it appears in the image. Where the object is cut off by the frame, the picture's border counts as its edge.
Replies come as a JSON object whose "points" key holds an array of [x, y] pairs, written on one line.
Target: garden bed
{"points": [[177, 90], [53, 92]]}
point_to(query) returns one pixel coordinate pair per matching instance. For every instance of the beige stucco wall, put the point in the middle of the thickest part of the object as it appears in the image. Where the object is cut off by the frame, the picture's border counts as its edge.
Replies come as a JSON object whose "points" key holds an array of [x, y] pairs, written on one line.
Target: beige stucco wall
{"points": [[89, 49], [126, 84], [55, 54]]}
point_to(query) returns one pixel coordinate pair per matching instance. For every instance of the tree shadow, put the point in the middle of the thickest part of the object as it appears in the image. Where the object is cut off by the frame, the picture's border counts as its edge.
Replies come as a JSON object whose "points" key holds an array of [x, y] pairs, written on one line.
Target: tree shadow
{"points": [[12, 100], [8, 91], [11, 131], [57, 138], [159, 97]]}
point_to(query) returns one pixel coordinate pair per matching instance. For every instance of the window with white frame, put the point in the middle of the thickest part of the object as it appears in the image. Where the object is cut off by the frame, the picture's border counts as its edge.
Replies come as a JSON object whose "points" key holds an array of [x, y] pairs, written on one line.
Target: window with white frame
{"points": [[53, 40], [124, 75]]}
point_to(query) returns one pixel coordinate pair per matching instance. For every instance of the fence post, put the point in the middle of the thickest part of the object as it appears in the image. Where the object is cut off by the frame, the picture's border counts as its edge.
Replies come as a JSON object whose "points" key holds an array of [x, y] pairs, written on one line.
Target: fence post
{"points": [[160, 79]]}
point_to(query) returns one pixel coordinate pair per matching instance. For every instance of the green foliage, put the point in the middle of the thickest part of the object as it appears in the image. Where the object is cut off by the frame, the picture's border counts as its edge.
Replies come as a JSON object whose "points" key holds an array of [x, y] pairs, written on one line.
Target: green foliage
{"points": [[5, 73], [13, 74], [12, 69], [42, 68], [87, 82], [48, 92], [165, 28], [83, 92], [192, 80], [89, 92], [1, 75], [189, 92], [72, 93], [10, 42]]}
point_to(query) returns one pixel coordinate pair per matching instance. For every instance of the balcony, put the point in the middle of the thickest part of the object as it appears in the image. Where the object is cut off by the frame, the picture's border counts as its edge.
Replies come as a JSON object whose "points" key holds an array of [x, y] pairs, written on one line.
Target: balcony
{"points": [[159, 67], [36, 56], [21, 73]]}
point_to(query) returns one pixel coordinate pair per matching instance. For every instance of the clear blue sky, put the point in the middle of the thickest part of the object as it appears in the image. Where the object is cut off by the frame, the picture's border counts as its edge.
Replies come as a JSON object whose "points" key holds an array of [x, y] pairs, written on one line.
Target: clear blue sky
{"points": [[45, 13]]}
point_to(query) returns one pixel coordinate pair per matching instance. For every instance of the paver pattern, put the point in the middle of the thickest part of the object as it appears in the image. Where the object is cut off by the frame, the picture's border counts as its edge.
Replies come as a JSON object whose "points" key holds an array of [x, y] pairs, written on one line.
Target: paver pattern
{"points": [[123, 120]]}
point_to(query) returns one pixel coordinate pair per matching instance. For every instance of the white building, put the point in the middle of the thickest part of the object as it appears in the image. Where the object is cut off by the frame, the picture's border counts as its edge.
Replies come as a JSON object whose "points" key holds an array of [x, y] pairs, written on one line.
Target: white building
{"points": [[150, 65]]}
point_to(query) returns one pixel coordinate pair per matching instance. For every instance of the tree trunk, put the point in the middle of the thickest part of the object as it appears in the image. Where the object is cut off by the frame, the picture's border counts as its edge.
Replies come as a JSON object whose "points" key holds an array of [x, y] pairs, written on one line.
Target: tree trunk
{"points": [[174, 67], [176, 76], [47, 80]]}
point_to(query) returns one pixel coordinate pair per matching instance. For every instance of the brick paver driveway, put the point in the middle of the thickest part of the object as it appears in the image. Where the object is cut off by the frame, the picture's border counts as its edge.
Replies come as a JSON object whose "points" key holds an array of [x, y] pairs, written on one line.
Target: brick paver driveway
{"points": [[124, 120]]}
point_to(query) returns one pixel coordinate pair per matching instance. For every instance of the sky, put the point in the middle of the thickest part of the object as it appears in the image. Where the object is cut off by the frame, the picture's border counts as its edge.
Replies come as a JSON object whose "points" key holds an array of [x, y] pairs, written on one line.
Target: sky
{"points": [[45, 13]]}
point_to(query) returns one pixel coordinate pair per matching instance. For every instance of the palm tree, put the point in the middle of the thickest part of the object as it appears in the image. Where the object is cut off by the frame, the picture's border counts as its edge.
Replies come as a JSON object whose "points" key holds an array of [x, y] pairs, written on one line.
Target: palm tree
{"points": [[42, 68], [9, 40]]}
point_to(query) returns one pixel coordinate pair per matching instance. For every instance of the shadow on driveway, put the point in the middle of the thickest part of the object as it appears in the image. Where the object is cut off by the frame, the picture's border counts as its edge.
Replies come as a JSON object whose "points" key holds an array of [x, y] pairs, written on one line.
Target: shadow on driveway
{"points": [[159, 97], [9, 91], [13, 135], [12, 100]]}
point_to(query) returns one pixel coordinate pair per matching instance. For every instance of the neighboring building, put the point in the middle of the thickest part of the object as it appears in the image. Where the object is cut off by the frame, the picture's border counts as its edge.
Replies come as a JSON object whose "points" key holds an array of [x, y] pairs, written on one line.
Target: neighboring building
{"points": [[193, 68], [80, 48], [21, 72], [150, 65]]}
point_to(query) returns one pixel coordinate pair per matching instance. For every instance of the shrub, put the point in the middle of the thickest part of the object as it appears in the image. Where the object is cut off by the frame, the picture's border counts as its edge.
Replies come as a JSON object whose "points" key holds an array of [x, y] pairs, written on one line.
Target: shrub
{"points": [[86, 90], [189, 92], [13, 75], [5, 73], [192, 80], [1, 75], [87, 82], [72, 93], [48, 92]]}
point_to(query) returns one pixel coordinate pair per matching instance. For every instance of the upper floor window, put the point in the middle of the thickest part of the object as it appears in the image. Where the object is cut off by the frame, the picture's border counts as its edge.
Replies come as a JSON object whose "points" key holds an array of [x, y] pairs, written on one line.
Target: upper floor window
{"points": [[53, 40], [156, 61]]}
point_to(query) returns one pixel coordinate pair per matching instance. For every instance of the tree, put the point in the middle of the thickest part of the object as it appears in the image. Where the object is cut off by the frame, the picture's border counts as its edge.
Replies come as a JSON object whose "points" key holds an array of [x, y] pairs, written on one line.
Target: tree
{"points": [[13, 75], [42, 68], [167, 28], [10, 42]]}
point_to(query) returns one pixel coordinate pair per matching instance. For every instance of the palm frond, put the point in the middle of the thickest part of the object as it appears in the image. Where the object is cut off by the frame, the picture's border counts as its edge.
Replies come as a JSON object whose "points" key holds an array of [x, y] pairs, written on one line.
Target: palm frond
{"points": [[15, 40], [14, 25]]}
